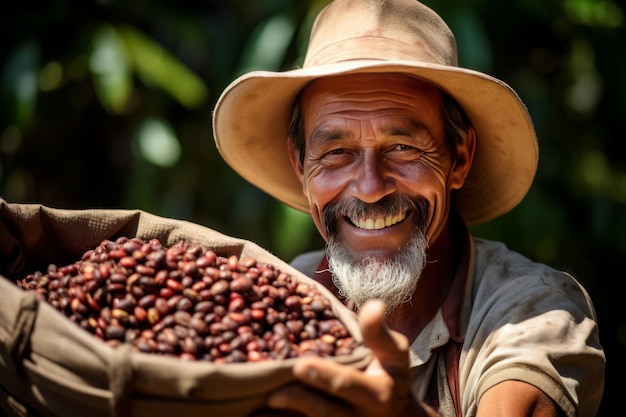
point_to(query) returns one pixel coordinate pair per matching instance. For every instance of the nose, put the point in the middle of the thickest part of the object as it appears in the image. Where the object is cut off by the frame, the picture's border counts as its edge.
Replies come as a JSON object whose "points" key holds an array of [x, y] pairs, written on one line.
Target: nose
{"points": [[372, 182]]}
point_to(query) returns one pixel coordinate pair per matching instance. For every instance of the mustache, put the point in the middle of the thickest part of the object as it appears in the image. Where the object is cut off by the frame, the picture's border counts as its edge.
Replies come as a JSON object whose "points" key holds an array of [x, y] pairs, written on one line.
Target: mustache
{"points": [[354, 208]]}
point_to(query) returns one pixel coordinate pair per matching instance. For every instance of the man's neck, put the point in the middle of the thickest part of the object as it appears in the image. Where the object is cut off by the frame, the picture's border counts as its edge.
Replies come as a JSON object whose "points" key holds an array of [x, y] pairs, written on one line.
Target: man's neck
{"points": [[431, 290]]}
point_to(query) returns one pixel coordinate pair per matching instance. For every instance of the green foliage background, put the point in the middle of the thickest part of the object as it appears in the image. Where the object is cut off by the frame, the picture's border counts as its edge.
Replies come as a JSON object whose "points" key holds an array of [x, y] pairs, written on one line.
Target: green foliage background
{"points": [[107, 104]]}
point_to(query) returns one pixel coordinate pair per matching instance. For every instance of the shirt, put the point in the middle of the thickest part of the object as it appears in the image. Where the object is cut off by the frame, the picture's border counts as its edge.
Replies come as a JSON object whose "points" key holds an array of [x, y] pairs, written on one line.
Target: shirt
{"points": [[505, 318]]}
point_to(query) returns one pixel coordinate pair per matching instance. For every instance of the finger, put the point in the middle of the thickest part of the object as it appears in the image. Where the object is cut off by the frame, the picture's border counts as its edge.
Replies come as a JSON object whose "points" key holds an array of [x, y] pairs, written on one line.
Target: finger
{"points": [[346, 383], [266, 412], [298, 400], [389, 347]]}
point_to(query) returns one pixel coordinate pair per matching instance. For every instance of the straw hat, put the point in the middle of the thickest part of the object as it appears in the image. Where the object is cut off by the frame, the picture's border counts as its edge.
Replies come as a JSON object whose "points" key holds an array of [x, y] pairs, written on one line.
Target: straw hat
{"points": [[251, 117]]}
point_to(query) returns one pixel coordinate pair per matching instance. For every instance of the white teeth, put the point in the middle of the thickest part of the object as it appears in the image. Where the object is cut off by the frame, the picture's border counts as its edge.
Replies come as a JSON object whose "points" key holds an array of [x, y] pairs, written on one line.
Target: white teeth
{"points": [[378, 222]]}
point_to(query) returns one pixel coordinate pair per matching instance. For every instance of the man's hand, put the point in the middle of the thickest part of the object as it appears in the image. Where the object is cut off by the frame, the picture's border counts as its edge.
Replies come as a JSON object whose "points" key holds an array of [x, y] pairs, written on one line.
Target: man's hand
{"points": [[332, 389]]}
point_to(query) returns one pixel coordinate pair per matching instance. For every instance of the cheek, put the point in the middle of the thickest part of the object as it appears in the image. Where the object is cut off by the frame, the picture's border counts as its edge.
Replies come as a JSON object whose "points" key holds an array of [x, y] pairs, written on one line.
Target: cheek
{"points": [[439, 199], [429, 182], [316, 215], [319, 191], [423, 179]]}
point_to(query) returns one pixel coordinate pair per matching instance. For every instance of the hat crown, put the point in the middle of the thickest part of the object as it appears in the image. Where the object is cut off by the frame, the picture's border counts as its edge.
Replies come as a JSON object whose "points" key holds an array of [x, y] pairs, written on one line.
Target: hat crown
{"points": [[380, 30]]}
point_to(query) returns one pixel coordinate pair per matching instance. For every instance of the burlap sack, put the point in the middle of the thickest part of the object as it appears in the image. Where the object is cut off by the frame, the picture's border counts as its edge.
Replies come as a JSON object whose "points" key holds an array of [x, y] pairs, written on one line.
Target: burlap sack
{"points": [[49, 366]]}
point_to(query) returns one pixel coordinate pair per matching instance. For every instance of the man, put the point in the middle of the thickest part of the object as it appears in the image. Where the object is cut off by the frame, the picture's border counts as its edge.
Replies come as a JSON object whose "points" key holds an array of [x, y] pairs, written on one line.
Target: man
{"points": [[393, 149]]}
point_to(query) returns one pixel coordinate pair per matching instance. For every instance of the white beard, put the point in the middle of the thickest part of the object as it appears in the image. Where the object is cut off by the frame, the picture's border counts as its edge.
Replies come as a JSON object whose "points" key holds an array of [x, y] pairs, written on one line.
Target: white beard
{"points": [[391, 280]]}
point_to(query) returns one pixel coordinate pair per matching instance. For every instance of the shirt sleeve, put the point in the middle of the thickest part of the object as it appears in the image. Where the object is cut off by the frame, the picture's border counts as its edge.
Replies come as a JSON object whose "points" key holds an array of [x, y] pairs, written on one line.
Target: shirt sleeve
{"points": [[531, 323]]}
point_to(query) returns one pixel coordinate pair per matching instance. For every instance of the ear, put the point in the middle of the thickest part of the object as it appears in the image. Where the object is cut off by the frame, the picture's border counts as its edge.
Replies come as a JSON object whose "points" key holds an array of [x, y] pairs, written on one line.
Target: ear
{"points": [[294, 157], [463, 161]]}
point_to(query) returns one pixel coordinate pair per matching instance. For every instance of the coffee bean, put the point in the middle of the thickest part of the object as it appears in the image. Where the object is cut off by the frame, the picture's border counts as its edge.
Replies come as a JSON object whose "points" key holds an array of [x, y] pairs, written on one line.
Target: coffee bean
{"points": [[191, 303]]}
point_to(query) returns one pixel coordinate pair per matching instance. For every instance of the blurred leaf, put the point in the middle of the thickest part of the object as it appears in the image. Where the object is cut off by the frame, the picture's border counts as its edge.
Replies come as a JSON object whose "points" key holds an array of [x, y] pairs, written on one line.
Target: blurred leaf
{"points": [[50, 76], [473, 43], [593, 173], [111, 69], [19, 82], [604, 13], [158, 67], [157, 143], [586, 90], [292, 229], [268, 44]]}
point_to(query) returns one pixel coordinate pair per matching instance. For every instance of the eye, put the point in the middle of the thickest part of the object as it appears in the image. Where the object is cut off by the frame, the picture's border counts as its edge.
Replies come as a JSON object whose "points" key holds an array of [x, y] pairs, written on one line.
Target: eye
{"points": [[405, 152], [332, 156], [402, 147]]}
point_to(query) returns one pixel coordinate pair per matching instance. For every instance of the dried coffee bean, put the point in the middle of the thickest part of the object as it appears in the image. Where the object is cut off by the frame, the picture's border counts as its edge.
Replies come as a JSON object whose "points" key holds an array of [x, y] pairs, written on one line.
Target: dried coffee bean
{"points": [[191, 303]]}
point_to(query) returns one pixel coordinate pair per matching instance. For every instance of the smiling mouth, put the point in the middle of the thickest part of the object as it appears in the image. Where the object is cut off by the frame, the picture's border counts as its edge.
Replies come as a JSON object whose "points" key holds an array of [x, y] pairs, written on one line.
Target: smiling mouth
{"points": [[375, 223]]}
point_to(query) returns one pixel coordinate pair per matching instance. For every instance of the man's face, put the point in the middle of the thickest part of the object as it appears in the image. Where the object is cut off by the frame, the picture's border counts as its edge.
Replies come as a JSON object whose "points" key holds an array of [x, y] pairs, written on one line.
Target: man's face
{"points": [[375, 152]]}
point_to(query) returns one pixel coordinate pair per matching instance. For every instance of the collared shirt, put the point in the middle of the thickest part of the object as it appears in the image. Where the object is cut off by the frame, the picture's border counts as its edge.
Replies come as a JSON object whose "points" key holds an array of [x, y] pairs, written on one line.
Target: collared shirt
{"points": [[505, 318]]}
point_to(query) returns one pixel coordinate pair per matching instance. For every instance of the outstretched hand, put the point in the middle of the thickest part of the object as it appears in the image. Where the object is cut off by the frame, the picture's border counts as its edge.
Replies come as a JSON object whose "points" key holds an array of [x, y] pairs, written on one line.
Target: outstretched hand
{"points": [[332, 389]]}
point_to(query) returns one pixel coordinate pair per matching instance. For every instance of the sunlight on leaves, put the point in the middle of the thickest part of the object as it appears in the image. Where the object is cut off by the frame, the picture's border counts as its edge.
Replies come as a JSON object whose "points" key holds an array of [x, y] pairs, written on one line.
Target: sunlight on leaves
{"points": [[110, 69], [157, 143], [292, 231], [585, 92], [594, 13], [268, 44], [159, 68]]}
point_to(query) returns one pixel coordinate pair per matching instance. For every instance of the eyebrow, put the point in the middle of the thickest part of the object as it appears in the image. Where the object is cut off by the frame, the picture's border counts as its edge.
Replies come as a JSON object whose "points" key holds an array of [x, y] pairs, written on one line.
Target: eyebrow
{"points": [[411, 129], [328, 134]]}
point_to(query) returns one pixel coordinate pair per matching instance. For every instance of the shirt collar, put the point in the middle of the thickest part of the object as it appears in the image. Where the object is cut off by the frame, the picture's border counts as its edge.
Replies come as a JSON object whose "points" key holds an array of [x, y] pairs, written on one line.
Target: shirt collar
{"points": [[453, 306]]}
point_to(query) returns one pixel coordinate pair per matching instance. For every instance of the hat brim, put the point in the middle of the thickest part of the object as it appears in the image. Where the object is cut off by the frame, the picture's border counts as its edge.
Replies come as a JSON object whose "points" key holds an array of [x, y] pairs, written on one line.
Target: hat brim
{"points": [[251, 118]]}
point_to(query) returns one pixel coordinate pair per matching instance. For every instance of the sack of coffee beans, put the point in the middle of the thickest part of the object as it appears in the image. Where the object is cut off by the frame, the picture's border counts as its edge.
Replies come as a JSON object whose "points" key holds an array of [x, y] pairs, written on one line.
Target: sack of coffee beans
{"points": [[124, 313]]}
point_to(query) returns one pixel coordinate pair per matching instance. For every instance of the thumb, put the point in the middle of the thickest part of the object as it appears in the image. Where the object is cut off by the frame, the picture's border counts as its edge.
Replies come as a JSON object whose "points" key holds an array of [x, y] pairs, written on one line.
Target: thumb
{"points": [[389, 347]]}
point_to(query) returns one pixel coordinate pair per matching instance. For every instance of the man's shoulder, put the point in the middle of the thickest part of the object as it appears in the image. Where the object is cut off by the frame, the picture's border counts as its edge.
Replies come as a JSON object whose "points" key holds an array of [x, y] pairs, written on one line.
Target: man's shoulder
{"points": [[497, 267], [308, 262], [491, 251]]}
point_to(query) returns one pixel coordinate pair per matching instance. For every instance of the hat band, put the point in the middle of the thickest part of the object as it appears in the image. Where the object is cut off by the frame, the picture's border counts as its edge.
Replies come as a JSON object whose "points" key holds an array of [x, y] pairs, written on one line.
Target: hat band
{"points": [[370, 47]]}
